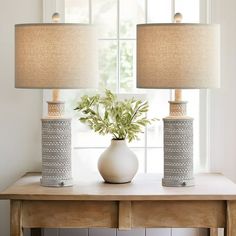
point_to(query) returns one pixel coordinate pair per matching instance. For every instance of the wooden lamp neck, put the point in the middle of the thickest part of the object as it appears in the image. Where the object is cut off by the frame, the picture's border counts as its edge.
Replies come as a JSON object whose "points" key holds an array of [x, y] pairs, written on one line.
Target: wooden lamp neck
{"points": [[55, 95], [178, 95]]}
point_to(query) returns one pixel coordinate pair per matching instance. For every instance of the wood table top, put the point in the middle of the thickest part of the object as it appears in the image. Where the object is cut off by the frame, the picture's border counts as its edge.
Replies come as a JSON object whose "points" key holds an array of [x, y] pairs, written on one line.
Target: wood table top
{"points": [[209, 186]]}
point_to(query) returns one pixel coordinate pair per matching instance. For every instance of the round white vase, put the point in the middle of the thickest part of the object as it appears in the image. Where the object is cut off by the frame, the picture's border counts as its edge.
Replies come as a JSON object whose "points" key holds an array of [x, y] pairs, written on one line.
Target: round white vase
{"points": [[118, 164]]}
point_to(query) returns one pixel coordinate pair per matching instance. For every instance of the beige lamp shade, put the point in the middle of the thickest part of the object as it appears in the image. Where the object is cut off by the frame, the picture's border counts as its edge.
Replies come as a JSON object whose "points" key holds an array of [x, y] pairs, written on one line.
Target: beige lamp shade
{"points": [[178, 56], [55, 56]]}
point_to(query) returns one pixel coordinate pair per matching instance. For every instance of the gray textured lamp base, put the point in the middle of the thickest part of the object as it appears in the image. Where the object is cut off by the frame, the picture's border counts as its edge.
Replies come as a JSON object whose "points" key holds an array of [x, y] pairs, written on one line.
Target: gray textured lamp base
{"points": [[177, 183], [178, 151], [56, 152]]}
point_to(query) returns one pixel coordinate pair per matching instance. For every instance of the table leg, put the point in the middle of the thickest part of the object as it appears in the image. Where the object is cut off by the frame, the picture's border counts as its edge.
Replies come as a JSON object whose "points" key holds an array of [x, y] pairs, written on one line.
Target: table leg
{"points": [[124, 215], [16, 218], [231, 218], [36, 232]]}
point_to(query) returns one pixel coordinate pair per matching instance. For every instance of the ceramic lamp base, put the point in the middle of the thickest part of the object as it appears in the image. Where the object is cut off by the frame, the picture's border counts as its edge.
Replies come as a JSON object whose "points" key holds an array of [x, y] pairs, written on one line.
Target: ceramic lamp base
{"points": [[178, 183], [178, 152], [56, 152]]}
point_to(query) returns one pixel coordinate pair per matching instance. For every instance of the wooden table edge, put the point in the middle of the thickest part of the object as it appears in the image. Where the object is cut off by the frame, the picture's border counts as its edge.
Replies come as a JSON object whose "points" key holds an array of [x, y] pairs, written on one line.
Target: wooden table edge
{"points": [[116, 197]]}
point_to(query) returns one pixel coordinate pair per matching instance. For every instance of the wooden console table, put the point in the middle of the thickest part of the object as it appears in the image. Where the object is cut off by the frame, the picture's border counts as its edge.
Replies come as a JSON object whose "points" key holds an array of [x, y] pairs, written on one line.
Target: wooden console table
{"points": [[142, 203]]}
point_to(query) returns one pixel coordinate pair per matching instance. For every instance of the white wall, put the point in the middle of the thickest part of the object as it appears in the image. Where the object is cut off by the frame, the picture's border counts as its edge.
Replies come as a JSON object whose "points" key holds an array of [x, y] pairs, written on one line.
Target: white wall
{"points": [[20, 109], [223, 107]]}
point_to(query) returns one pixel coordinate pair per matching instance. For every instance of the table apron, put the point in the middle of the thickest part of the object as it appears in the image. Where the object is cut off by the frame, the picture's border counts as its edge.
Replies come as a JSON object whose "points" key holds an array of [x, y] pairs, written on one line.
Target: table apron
{"points": [[123, 214]]}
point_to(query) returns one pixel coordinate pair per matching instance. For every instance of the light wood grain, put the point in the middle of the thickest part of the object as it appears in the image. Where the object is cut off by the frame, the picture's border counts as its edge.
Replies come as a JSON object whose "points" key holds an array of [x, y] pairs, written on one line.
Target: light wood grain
{"points": [[231, 218], [138, 214], [144, 187], [69, 214], [125, 214], [189, 214], [16, 218]]}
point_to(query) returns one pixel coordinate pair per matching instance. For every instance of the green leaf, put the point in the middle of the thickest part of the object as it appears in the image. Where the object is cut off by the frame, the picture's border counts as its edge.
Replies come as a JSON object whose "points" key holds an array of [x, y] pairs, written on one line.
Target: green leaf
{"points": [[106, 114]]}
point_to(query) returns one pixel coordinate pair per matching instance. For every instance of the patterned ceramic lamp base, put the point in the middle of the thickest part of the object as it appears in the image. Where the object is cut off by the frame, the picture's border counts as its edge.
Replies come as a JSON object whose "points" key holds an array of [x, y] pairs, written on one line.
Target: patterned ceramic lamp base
{"points": [[177, 183], [178, 152], [56, 152]]}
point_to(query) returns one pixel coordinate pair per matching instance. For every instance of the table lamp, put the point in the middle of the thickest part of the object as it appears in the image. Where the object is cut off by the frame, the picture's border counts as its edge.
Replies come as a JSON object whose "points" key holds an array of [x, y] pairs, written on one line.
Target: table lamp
{"points": [[56, 56], [178, 56]]}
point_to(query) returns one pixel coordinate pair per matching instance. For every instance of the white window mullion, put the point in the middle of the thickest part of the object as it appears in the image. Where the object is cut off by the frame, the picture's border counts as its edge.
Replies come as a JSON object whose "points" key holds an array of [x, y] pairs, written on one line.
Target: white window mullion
{"points": [[90, 12], [118, 46], [204, 104], [146, 11], [172, 10], [205, 11], [146, 133]]}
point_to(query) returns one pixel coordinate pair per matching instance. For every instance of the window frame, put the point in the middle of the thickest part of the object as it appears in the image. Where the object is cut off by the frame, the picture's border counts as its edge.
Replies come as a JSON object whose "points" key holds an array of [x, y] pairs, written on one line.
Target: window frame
{"points": [[52, 6]]}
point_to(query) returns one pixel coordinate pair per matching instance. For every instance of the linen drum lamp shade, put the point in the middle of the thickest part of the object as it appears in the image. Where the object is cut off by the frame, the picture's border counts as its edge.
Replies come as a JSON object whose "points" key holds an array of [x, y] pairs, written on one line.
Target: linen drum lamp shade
{"points": [[178, 56], [55, 56]]}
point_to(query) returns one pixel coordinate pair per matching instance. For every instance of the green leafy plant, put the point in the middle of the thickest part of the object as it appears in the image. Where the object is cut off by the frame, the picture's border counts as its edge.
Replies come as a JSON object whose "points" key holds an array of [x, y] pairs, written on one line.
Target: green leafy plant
{"points": [[124, 119]]}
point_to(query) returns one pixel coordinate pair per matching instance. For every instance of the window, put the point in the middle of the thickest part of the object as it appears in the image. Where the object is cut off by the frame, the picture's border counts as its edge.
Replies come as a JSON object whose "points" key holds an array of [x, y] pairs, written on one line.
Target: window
{"points": [[117, 21]]}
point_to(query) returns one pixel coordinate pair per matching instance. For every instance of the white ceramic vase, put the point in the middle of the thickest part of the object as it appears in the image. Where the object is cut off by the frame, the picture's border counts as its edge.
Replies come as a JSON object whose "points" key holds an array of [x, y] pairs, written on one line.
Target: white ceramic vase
{"points": [[118, 164]]}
